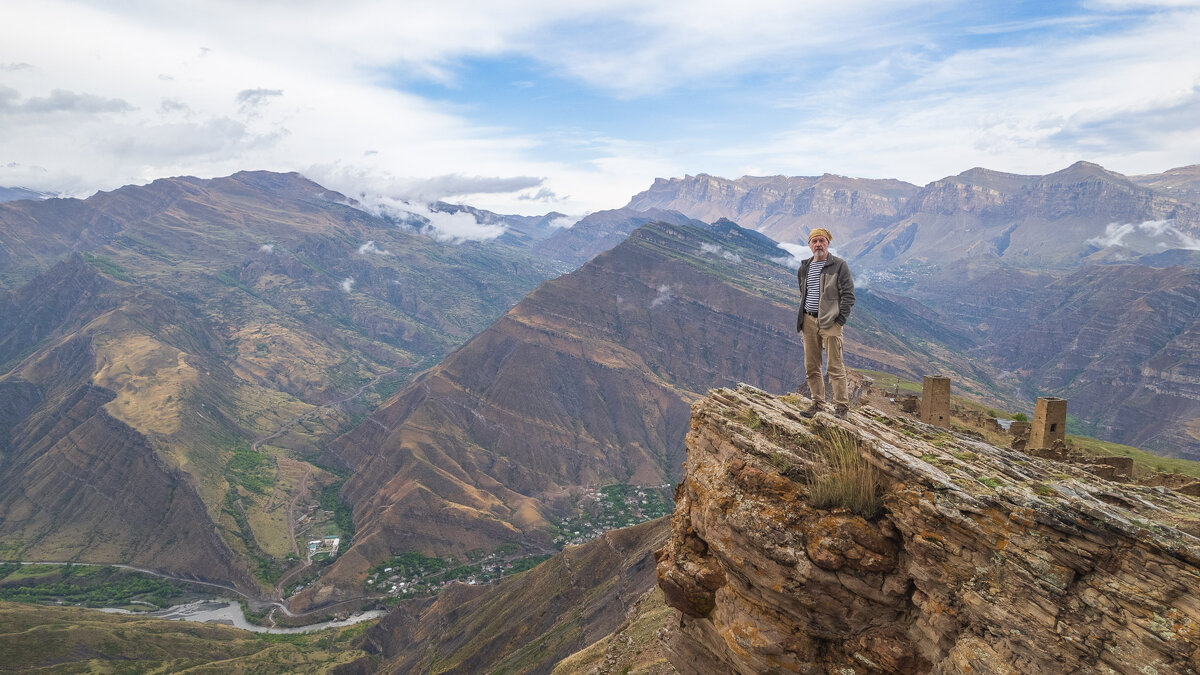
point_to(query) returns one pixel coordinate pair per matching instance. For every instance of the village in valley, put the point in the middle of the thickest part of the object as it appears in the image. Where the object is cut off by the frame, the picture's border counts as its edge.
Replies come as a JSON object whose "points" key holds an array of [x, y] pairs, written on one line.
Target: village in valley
{"points": [[325, 547], [596, 510], [611, 507]]}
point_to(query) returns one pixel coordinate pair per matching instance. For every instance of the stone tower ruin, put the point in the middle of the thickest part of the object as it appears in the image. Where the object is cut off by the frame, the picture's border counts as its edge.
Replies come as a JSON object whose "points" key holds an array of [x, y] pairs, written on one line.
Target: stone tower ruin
{"points": [[935, 400], [1049, 422]]}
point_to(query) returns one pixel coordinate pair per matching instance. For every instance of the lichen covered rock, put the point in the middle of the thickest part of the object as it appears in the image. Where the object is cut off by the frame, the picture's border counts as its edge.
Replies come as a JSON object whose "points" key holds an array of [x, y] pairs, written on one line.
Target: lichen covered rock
{"points": [[982, 559]]}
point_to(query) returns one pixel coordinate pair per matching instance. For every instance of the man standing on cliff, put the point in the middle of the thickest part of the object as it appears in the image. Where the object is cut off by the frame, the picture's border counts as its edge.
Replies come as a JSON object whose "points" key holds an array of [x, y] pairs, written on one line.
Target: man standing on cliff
{"points": [[826, 296]]}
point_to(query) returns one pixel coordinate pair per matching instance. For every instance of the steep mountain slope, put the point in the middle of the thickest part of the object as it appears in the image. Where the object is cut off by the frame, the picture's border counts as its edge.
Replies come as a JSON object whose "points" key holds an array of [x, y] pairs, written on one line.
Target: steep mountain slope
{"points": [[1120, 342], [784, 208], [527, 623], [587, 381], [602, 230], [224, 327], [78, 482], [1082, 213]]}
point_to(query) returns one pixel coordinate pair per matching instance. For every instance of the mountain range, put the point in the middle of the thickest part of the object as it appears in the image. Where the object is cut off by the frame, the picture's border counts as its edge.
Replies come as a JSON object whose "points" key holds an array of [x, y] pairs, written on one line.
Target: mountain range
{"points": [[1006, 259], [1054, 220], [197, 358], [588, 381], [195, 340]]}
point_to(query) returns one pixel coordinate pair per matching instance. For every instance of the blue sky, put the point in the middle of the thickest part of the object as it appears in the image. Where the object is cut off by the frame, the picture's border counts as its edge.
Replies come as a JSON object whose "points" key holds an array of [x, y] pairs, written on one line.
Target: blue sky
{"points": [[532, 106]]}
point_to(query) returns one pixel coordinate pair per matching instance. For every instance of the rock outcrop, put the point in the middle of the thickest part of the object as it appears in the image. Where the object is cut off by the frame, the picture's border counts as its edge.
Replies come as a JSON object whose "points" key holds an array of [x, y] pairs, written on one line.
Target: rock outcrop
{"points": [[979, 559]]}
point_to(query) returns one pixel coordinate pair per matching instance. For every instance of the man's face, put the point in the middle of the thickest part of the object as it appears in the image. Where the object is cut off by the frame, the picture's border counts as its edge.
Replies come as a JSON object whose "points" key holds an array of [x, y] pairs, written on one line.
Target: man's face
{"points": [[819, 246]]}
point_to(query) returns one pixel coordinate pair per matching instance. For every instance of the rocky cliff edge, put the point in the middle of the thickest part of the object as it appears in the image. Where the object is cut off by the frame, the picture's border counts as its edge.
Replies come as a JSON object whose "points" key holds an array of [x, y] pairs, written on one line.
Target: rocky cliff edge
{"points": [[976, 559]]}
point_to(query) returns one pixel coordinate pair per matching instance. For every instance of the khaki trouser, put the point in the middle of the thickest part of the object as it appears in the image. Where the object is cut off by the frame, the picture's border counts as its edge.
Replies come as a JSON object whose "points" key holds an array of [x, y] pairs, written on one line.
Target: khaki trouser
{"points": [[829, 339]]}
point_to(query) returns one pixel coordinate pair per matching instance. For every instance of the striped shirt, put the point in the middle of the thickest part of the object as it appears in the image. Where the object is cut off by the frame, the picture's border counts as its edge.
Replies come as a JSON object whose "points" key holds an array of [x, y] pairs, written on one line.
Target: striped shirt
{"points": [[812, 300]]}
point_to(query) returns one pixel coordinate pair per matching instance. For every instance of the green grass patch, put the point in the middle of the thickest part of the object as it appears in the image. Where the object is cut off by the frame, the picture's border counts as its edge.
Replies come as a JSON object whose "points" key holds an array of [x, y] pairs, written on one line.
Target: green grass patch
{"points": [[106, 266], [1142, 461], [251, 470], [749, 418], [287, 638], [887, 381], [343, 513], [229, 280], [17, 572], [89, 586], [528, 563]]}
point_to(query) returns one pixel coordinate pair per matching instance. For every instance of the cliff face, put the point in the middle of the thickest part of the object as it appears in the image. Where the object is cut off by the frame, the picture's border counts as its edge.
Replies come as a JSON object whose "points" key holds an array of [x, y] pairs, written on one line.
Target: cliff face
{"points": [[980, 559], [782, 207]]}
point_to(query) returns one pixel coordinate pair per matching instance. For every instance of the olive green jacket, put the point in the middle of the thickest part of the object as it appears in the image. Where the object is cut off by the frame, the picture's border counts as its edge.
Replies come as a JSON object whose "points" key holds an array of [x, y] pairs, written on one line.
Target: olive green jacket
{"points": [[837, 293]]}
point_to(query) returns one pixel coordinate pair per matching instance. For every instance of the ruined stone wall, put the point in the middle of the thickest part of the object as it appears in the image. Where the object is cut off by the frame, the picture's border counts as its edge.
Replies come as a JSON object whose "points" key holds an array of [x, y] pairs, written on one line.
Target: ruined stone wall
{"points": [[935, 400], [1049, 422]]}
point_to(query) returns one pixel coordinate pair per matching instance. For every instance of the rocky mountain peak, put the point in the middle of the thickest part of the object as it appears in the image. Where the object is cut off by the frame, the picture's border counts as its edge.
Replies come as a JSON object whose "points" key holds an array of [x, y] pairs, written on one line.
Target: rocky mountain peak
{"points": [[1083, 171], [990, 178], [974, 559]]}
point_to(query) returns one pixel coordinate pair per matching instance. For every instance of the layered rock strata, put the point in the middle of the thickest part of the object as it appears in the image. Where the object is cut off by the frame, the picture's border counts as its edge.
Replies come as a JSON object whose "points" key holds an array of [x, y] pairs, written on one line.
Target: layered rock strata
{"points": [[981, 559]]}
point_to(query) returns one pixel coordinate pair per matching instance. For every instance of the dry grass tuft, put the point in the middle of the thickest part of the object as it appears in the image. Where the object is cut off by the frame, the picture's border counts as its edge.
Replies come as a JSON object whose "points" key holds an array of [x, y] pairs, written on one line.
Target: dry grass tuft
{"points": [[847, 481]]}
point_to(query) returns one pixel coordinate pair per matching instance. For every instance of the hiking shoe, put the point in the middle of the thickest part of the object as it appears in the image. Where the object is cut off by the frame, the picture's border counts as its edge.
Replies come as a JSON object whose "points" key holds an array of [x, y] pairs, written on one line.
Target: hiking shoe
{"points": [[841, 410], [811, 410]]}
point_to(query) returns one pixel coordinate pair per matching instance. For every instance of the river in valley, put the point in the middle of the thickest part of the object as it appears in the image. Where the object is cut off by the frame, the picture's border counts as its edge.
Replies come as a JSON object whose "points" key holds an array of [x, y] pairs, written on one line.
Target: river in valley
{"points": [[229, 613]]}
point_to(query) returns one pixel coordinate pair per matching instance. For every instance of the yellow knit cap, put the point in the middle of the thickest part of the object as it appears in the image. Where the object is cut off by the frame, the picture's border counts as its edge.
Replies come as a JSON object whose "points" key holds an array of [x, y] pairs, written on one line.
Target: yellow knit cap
{"points": [[823, 232]]}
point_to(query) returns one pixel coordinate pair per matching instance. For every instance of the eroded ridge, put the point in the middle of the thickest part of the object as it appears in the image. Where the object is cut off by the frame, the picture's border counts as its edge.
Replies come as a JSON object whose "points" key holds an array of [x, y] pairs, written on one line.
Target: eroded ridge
{"points": [[980, 559]]}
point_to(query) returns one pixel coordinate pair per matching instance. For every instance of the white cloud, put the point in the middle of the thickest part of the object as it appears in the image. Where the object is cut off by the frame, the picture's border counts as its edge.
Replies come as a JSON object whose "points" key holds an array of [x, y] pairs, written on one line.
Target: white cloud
{"points": [[542, 195], [456, 185], [563, 222], [59, 101], [214, 86], [267, 248], [719, 251], [446, 227], [347, 284], [796, 252], [360, 181], [1145, 237], [664, 294], [1026, 108], [370, 247]]}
